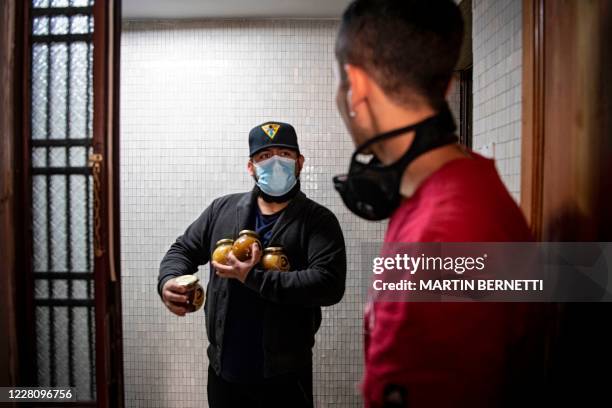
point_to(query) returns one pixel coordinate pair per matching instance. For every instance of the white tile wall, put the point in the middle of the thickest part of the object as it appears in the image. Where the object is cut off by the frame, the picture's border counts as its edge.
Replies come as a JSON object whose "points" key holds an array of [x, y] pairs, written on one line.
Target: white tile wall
{"points": [[190, 92], [497, 53]]}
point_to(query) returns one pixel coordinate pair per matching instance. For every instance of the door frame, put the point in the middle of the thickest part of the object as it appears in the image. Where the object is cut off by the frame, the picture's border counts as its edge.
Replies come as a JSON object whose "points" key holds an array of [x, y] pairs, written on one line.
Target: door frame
{"points": [[532, 132], [15, 179], [109, 358], [11, 210]]}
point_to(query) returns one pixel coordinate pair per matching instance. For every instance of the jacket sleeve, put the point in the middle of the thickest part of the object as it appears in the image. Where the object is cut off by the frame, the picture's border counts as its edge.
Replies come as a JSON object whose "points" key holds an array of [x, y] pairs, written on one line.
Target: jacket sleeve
{"points": [[322, 283], [189, 251]]}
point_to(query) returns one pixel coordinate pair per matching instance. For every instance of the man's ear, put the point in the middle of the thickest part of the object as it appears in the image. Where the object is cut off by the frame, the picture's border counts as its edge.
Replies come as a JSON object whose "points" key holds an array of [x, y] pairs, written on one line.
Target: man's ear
{"points": [[359, 86], [299, 164], [251, 168]]}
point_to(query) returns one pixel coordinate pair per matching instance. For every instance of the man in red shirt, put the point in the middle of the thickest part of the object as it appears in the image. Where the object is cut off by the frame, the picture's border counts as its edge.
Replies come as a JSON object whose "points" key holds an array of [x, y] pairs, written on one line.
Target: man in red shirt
{"points": [[396, 59]]}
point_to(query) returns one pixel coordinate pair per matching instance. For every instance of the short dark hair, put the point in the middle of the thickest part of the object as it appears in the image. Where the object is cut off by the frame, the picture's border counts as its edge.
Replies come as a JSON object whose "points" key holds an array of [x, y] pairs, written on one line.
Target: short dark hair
{"points": [[407, 46]]}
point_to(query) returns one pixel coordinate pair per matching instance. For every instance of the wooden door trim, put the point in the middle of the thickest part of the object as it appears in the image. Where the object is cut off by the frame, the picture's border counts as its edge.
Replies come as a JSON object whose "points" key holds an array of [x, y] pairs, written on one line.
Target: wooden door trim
{"points": [[11, 39], [532, 149], [27, 364], [109, 353]]}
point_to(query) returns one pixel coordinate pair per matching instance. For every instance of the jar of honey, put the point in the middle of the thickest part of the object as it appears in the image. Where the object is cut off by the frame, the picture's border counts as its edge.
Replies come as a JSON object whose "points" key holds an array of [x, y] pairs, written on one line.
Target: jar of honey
{"points": [[274, 258], [242, 245], [195, 292], [222, 250]]}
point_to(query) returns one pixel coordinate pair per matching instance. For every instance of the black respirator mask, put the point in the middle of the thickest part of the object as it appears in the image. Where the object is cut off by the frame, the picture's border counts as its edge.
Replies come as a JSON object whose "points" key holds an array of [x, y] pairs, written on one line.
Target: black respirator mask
{"points": [[371, 190]]}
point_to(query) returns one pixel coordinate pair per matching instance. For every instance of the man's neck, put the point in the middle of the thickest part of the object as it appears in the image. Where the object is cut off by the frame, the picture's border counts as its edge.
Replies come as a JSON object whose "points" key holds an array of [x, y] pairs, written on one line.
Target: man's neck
{"points": [[268, 208], [428, 163], [394, 117]]}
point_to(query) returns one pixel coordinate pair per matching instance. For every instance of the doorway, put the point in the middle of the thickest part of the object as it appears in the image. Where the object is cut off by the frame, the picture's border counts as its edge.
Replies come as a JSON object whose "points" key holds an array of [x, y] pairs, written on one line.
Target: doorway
{"points": [[68, 280]]}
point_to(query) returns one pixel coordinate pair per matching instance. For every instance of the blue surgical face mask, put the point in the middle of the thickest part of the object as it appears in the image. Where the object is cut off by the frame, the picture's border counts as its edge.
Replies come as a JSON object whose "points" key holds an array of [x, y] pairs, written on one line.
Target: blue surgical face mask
{"points": [[276, 175]]}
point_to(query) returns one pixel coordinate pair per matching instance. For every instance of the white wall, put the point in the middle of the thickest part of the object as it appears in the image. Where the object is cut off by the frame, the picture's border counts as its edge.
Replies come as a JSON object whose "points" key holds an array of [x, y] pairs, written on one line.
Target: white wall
{"points": [[190, 92], [497, 53]]}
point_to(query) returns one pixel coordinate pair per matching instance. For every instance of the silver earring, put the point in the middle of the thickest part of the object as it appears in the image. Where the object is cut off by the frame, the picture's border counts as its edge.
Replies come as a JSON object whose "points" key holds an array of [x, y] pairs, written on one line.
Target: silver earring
{"points": [[349, 96]]}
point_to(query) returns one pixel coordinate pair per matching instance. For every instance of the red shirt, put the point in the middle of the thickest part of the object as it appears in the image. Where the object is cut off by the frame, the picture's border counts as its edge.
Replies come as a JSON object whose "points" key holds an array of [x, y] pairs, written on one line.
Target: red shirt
{"points": [[448, 354]]}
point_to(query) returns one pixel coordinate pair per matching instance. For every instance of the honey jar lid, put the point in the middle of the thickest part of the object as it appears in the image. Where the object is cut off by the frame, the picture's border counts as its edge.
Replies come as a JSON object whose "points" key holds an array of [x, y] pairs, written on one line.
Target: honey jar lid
{"points": [[225, 241], [273, 249], [187, 280], [249, 232]]}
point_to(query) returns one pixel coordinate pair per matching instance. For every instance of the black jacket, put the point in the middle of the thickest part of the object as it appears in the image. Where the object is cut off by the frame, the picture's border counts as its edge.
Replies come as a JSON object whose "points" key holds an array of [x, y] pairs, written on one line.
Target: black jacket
{"points": [[312, 239]]}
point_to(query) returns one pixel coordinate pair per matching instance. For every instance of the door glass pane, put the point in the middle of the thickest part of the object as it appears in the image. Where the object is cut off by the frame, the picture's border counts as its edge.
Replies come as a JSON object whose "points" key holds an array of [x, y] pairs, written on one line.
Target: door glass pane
{"points": [[62, 219]]}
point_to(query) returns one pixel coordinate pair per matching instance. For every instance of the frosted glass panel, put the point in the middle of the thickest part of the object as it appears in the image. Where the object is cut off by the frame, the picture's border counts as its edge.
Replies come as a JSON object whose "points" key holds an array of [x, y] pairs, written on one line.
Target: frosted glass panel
{"points": [[57, 157], [79, 78], [59, 62], [61, 132], [43, 345], [58, 223], [78, 223], [78, 157], [59, 25], [60, 3], [80, 24], [39, 90], [40, 26], [39, 223], [40, 3], [61, 356], [83, 353], [39, 157]]}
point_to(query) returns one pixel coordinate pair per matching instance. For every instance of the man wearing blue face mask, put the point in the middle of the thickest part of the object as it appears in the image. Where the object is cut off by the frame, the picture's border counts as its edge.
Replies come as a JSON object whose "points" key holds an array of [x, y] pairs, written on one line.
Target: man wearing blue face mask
{"points": [[261, 323], [275, 163]]}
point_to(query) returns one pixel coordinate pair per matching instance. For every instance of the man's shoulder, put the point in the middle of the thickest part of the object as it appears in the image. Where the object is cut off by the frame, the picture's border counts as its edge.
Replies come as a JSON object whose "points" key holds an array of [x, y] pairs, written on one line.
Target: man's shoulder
{"points": [[466, 201], [232, 198], [228, 201]]}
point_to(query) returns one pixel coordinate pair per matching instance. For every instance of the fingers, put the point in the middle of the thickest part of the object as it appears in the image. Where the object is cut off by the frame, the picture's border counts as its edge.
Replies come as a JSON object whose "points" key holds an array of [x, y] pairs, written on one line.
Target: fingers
{"points": [[231, 259], [237, 263], [223, 268], [172, 286], [256, 253], [224, 271], [176, 308], [235, 268], [175, 297]]}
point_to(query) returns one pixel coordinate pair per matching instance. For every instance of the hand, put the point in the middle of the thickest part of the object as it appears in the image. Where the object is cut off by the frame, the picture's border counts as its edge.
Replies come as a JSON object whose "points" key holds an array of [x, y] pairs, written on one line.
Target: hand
{"points": [[236, 269], [175, 297]]}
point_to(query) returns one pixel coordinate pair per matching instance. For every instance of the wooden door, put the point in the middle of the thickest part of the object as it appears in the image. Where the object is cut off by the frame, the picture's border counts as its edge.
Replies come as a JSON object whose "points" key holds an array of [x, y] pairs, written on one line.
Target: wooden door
{"points": [[69, 280], [567, 170]]}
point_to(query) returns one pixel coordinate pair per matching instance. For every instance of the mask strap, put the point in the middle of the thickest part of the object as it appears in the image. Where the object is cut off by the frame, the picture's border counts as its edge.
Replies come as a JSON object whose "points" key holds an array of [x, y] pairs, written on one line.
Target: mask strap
{"points": [[386, 135], [444, 117]]}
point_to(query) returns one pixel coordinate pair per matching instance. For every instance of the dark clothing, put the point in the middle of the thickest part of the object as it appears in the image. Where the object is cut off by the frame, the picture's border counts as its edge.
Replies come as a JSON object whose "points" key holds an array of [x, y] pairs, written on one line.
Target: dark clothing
{"points": [[243, 353], [264, 225], [312, 239], [291, 390]]}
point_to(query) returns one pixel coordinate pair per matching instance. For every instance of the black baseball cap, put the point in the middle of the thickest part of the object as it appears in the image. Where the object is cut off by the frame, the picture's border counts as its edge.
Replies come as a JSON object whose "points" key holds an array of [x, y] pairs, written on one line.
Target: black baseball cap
{"points": [[272, 134]]}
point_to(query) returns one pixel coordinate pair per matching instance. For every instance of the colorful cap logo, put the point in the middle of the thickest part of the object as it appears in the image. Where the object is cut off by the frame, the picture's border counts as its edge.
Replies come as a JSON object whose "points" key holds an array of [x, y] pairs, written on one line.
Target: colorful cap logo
{"points": [[270, 129]]}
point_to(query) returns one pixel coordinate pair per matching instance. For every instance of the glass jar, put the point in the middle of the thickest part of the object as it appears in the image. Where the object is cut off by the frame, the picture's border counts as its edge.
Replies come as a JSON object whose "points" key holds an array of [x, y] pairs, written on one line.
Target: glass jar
{"points": [[242, 245], [274, 258], [195, 292], [222, 250]]}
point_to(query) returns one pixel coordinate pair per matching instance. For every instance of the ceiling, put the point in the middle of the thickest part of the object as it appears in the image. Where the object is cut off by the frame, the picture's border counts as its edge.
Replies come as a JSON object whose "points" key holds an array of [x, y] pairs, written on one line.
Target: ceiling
{"points": [[198, 9]]}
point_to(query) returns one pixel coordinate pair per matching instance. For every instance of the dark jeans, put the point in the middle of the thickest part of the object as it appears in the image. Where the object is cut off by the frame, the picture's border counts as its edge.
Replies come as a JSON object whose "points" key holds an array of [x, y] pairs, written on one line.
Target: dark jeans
{"points": [[293, 391]]}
